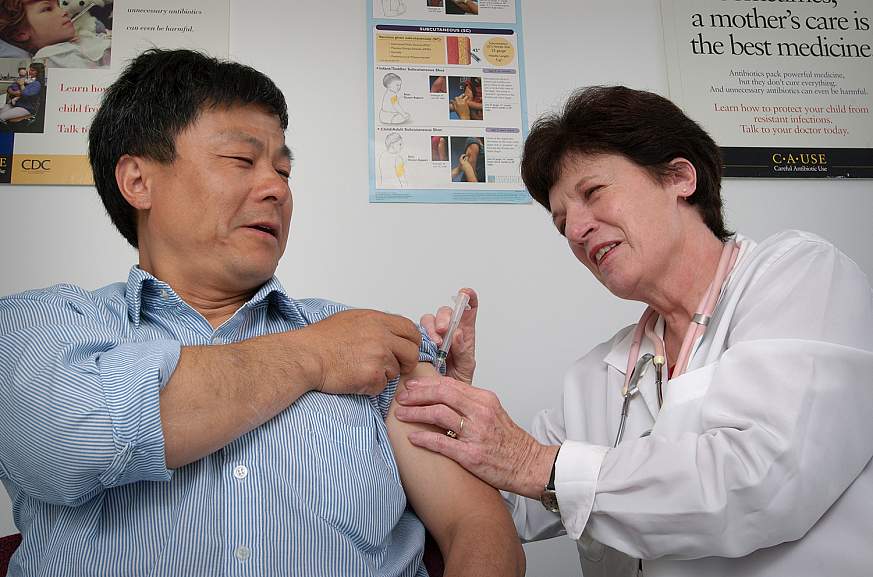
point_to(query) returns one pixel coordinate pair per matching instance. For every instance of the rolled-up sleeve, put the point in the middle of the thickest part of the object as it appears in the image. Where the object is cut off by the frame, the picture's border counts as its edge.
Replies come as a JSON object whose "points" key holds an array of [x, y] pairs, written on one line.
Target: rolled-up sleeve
{"points": [[79, 401]]}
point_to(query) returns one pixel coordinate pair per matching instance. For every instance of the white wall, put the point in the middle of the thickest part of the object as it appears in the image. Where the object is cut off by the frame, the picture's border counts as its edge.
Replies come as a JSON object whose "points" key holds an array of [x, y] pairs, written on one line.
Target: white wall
{"points": [[348, 250]]}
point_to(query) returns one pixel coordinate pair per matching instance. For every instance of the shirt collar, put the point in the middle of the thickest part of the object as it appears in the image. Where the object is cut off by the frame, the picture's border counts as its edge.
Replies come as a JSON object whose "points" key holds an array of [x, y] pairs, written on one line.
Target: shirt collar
{"points": [[145, 290], [617, 355]]}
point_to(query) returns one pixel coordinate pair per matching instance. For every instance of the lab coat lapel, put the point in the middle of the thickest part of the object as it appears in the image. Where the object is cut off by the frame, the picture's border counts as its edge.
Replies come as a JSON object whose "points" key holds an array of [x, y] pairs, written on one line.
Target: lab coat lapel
{"points": [[617, 358]]}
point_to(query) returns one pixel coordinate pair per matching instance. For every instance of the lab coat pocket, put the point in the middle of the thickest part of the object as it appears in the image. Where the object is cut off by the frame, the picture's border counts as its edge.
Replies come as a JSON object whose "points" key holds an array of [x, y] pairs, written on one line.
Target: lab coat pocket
{"points": [[683, 397]]}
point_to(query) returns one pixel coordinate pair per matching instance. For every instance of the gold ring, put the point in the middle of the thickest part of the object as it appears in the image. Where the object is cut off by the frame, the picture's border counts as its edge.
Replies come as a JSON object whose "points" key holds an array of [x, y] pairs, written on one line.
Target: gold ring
{"points": [[450, 433], [461, 426]]}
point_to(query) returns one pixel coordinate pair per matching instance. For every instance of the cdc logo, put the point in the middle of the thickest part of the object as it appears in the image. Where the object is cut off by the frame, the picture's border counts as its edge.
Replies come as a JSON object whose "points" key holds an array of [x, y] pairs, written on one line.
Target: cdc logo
{"points": [[32, 164]]}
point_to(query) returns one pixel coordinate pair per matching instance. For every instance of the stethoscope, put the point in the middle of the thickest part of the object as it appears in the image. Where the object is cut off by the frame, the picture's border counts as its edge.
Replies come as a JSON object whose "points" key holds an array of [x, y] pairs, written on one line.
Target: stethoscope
{"points": [[696, 328]]}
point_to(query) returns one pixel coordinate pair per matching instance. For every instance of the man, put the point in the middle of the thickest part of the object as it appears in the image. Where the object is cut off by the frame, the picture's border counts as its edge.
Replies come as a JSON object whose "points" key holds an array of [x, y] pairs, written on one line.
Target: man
{"points": [[197, 420]]}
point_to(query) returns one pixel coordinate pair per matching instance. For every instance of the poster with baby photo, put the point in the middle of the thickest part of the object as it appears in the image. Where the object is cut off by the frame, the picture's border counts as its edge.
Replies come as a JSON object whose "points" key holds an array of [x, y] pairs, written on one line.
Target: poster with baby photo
{"points": [[57, 57]]}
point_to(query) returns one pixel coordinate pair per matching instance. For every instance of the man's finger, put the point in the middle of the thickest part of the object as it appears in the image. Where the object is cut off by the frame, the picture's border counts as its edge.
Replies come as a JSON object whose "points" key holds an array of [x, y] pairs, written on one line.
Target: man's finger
{"points": [[405, 328], [406, 354]]}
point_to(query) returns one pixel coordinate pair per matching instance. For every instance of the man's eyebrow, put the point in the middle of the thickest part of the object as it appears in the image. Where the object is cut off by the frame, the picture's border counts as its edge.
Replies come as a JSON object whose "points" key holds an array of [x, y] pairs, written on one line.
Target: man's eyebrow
{"points": [[240, 136]]}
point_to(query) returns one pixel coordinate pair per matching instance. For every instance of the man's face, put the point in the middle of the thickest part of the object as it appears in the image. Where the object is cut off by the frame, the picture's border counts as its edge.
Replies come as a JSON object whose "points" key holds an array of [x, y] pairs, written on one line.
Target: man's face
{"points": [[220, 213], [46, 24]]}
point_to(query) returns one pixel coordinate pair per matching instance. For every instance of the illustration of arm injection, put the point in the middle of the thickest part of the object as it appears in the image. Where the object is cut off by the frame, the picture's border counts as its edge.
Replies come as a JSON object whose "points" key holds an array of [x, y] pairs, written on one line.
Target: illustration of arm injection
{"points": [[461, 305]]}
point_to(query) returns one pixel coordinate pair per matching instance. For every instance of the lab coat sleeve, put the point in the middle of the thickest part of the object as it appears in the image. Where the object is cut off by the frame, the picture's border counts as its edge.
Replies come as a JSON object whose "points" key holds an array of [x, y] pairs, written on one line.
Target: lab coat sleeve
{"points": [[785, 418]]}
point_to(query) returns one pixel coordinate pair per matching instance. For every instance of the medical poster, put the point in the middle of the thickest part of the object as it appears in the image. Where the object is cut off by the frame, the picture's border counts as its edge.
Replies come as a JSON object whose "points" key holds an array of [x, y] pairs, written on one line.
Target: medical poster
{"points": [[447, 101], [54, 72], [785, 88]]}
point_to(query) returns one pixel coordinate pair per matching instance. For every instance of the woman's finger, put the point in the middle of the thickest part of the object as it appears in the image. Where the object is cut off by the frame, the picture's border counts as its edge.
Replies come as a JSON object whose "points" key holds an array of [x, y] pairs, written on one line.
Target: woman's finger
{"points": [[438, 415]]}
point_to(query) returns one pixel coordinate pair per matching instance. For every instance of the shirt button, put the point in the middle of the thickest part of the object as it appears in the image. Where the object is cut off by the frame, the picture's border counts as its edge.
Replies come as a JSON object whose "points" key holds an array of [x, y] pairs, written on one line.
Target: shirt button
{"points": [[240, 472], [217, 341], [164, 294], [242, 553]]}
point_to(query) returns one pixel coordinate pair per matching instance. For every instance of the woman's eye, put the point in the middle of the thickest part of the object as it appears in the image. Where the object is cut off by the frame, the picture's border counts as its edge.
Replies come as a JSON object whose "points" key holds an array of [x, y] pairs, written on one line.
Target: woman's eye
{"points": [[590, 192]]}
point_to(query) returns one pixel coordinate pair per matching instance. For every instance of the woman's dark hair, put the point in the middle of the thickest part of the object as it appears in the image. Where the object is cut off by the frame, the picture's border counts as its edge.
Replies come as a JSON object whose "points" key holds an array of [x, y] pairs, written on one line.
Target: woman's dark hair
{"points": [[644, 127], [40, 71], [160, 94]]}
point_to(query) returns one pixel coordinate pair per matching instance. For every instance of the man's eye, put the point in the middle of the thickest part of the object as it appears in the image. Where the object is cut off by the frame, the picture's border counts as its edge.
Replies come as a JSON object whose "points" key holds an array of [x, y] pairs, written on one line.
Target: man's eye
{"points": [[248, 161]]}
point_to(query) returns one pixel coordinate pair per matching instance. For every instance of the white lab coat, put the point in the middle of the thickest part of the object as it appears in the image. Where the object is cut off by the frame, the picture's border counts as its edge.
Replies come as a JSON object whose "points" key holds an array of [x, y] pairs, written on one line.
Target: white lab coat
{"points": [[759, 462]]}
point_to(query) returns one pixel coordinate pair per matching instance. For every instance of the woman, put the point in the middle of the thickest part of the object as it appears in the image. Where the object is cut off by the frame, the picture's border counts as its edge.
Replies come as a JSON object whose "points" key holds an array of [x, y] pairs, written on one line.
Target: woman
{"points": [[753, 457], [27, 100]]}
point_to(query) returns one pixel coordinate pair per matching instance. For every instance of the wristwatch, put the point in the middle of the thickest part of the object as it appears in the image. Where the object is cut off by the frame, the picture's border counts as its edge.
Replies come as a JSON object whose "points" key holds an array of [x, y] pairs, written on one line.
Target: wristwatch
{"points": [[549, 497]]}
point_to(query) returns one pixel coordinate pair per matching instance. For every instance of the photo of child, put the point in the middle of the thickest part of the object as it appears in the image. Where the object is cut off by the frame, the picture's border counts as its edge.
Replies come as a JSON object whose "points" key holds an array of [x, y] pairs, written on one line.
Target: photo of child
{"points": [[468, 159], [24, 109], [45, 32], [465, 98], [462, 7], [438, 85]]}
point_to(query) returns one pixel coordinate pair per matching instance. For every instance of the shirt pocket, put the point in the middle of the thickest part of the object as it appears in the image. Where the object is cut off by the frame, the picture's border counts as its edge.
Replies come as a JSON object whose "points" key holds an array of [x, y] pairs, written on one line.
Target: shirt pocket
{"points": [[346, 472], [683, 399]]}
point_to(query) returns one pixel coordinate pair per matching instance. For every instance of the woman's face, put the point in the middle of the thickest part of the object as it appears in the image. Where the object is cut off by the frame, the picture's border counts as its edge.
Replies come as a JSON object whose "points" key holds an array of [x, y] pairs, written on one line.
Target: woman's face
{"points": [[618, 220], [47, 24]]}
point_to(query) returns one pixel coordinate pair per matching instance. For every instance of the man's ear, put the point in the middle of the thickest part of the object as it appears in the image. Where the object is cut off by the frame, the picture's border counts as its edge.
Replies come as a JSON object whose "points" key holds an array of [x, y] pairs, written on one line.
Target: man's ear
{"points": [[683, 176], [132, 177]]}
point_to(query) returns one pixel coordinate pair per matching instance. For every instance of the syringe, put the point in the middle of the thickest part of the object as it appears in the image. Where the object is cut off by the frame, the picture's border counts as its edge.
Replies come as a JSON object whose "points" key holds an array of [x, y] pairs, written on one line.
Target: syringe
{"points": [[461, 305]]}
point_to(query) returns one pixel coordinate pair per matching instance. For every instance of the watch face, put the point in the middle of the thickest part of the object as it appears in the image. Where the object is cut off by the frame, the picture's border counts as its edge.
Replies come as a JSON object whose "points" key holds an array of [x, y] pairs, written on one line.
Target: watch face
{"points": [[549, 499]]}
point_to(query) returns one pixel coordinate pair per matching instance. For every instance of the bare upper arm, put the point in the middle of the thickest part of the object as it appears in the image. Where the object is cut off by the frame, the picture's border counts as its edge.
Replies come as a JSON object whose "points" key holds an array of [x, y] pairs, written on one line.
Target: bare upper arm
{"points": [[441, 491]]}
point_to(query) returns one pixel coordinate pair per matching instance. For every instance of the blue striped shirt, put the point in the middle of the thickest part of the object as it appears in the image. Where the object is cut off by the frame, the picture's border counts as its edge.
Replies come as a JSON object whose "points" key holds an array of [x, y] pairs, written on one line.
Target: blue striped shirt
{"points": [[314, 491]]}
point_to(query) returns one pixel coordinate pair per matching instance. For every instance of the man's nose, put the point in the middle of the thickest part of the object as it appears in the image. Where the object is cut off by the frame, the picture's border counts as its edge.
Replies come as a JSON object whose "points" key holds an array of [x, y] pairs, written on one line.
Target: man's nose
{"points": [[273, 187]]}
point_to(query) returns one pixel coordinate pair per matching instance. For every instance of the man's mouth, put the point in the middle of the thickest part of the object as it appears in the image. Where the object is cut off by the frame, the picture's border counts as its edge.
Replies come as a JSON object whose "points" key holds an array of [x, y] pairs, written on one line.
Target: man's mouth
{"points": [[269, 229]]}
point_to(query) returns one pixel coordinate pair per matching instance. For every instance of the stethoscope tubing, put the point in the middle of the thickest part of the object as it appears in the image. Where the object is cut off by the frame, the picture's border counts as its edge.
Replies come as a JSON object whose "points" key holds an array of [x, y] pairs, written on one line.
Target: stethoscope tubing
{"points": [[696, 329]]}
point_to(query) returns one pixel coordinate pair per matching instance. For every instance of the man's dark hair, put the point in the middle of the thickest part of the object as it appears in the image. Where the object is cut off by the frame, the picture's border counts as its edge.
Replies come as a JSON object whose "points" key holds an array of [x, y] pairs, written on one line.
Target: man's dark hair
{"points": [[159, 95], [644, 127]]}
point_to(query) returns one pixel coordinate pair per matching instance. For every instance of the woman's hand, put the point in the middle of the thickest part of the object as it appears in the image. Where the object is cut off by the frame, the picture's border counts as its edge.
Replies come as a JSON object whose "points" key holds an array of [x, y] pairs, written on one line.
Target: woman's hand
{"points": [[461, 362], [487, 441]]}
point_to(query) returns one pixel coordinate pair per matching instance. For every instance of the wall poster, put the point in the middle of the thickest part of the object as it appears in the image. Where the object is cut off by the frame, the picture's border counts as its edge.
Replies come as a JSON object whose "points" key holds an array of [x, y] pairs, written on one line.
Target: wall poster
{"points": [[54, 72], [447, 103], [784, 86]]}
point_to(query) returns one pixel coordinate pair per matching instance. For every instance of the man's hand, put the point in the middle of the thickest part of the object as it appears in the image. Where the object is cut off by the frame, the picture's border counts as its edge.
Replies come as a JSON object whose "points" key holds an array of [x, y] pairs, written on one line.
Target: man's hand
{"points": [[359, 351], [461, 363]]}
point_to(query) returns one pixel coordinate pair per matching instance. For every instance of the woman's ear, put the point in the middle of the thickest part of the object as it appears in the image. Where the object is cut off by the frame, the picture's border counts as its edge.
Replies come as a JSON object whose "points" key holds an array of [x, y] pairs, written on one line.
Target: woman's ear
{"points": [[683, 177], [131, 175]]}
